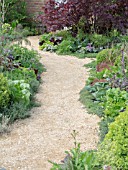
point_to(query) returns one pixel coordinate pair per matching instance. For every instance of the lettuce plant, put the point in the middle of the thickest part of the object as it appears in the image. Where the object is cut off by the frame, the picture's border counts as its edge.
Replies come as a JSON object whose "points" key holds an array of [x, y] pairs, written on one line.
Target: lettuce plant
{"points": [[20, 91], [114, 102]]}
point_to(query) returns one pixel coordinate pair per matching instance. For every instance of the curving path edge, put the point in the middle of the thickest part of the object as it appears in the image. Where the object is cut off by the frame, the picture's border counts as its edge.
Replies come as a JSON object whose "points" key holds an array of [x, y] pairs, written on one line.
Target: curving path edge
{"points": [[47, 133]]}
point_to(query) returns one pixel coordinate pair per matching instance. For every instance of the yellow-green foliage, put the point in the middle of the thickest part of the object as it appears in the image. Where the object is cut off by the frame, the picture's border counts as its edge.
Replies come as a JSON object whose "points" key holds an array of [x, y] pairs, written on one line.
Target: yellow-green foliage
{"points": [[45, 37], [4, 91], [108, 55], [6, 28], [114, 149], [46, 45]]}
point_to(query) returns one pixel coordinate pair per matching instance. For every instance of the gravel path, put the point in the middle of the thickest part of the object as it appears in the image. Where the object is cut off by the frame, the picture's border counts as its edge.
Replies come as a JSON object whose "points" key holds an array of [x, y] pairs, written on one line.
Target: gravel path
{"points": [[47, 133]]}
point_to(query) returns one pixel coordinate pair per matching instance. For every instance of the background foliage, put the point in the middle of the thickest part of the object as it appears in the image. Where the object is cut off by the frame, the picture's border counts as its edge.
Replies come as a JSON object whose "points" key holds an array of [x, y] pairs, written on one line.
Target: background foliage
{"points": [[98, 15], [13, 10]]}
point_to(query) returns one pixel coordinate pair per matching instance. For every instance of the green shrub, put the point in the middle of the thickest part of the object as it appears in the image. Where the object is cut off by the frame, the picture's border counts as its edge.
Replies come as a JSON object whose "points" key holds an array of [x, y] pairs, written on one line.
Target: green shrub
{"points": [[63, 33], [116, 37], [99, 40], [114, 102], [46, 37], [4, 92], [114, 149], [27, 58], [65, 47], [21, 74], [107, 55], [14, 10]]}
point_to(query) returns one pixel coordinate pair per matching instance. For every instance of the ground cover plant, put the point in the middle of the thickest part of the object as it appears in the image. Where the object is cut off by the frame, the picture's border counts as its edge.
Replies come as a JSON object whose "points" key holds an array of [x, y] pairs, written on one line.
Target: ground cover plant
{"points": [[20, 71]]}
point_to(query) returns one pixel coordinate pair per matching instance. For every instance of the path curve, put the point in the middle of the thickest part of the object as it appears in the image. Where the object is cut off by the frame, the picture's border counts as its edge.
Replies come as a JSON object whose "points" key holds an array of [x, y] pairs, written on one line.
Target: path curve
{"points": [[47, 133]]}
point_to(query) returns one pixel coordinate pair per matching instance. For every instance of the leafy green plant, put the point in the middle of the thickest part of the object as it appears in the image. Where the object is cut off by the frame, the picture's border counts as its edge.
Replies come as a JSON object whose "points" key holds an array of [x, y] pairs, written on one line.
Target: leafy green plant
{"points": [[47, 46], [76, 159], [94, 75], [98, 90], [63, 33], [114, 102], [65, 47], [20, 76], [9, 34], [27, 58], [99, 40], [21, 73], [12, 10], [24, 74], [4, 92], [114, 149], [70, 45], [45, 37], [20, 91]]}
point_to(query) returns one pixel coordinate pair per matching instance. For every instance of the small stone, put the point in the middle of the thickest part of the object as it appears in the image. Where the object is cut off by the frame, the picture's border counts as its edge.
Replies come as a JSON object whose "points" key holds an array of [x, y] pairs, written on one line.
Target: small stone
{"points": [[2, 169]]}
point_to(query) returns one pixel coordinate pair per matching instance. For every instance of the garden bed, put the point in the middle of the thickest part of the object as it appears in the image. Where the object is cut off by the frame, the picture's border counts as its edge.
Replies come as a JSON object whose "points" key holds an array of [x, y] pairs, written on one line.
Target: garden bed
{"points": [[20, 73]]}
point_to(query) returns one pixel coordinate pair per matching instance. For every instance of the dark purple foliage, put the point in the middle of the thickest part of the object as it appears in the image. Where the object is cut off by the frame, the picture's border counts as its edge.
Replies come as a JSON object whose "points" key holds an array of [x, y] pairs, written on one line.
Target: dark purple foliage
{"points": [[41, 43], [89, 47], [38, 77], [11, 57], [54, 40], [100, 15]]}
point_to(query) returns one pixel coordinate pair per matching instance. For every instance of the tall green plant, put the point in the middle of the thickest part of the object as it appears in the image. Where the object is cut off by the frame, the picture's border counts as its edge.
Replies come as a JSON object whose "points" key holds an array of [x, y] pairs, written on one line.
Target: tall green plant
{"points": [[76, 159], [12, 10]]}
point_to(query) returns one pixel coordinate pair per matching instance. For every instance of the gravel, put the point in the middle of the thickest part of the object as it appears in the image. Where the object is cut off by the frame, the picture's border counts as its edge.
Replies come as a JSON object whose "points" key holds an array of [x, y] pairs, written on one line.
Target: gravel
{"points": [[47, 133]]}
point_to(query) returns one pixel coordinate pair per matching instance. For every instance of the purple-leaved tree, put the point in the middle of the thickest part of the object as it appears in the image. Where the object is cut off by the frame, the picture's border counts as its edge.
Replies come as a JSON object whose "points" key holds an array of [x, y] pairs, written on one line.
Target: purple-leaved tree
{"points": [[100, 15]]}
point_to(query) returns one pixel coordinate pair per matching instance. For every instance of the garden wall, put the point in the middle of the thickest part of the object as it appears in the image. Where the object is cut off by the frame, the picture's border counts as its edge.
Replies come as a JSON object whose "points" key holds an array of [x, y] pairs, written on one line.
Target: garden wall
{"points": [[34, 7]]}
